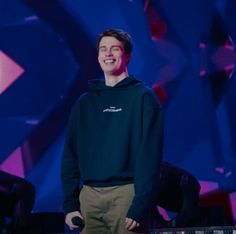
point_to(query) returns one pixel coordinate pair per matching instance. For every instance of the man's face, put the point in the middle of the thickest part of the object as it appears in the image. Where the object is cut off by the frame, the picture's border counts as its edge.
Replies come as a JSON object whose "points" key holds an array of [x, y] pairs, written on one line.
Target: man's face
{"points": [[112, 57]]}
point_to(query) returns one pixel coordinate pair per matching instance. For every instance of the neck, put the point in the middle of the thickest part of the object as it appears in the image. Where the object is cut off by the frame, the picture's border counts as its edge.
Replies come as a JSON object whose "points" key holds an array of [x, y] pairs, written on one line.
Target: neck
{"points": [[112, 80]]}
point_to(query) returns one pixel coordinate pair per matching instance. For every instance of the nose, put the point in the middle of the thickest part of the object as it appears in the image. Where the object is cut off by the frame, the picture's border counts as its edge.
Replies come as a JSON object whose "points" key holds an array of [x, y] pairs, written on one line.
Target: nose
{"points": [[109, 52]]}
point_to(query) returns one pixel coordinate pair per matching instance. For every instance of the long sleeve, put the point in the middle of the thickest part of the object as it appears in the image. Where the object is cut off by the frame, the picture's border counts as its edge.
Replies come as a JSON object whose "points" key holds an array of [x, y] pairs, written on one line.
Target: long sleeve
{"points": [[148, 160], [70, 173]]}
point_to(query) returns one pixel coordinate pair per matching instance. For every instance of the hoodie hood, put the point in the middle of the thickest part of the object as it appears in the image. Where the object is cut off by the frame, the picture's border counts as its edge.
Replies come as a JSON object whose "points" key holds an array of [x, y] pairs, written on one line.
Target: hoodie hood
{"points": [[99, 84]]}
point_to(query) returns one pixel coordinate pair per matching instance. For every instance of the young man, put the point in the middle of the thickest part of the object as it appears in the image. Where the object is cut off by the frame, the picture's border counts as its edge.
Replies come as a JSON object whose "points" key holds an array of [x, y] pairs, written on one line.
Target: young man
{"points": [[114, 145]]}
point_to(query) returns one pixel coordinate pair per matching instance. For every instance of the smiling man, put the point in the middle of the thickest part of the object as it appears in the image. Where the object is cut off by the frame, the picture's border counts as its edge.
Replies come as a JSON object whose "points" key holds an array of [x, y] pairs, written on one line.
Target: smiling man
{"points": [[113, 145], [113, 59]]}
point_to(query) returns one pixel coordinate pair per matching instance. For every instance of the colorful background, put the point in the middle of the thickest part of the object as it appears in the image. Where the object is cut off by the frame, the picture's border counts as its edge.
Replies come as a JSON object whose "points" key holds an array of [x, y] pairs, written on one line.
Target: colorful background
{"points": [[184, 49]]}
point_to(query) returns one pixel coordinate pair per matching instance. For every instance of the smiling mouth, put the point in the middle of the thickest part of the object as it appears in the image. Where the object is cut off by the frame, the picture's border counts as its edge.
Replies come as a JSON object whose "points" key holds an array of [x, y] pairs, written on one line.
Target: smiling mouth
{"points": [[109, 61]]}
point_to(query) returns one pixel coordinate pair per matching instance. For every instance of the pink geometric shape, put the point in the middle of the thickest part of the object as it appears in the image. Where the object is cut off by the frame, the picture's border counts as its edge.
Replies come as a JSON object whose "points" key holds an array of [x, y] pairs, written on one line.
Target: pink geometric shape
{"points": [[13, 164], [208, 186], [9, 71]]}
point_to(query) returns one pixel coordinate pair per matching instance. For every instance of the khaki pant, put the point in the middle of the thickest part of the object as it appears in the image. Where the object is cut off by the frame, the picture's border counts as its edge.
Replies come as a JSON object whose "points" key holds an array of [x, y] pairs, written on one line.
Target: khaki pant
{"points": [[104, 209]]}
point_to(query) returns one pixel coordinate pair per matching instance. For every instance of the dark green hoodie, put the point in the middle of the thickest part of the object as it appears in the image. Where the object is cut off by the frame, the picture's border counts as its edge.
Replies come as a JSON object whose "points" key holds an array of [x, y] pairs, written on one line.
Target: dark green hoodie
{"points": [[114, 138]]}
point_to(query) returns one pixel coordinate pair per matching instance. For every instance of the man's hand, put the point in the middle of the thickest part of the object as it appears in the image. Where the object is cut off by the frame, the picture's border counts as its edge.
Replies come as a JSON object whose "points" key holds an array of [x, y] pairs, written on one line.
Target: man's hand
{"points": [[131, 224], [70, 216]]}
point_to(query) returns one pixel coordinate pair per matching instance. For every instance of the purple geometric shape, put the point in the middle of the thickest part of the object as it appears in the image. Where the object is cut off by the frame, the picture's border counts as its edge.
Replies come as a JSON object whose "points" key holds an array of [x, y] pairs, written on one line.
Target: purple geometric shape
{"points": [[164, 213], [233, 205], [225, 57], [14, 164], [208, 186], [9, 71]]}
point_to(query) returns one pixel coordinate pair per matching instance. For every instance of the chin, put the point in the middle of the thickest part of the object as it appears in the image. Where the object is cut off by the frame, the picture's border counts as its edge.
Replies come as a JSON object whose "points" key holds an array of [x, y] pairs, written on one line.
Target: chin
{"points": [[110, 72]]}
